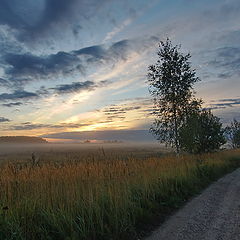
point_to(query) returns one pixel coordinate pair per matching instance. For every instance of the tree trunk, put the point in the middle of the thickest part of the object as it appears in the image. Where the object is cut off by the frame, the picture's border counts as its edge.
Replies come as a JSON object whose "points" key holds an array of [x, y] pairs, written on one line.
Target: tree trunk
{"points": [[175, 129]]}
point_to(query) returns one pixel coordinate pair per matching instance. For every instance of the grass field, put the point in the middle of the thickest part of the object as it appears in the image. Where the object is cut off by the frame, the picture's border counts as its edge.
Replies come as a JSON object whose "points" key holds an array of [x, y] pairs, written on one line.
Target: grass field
{"points": [[98, 193]]}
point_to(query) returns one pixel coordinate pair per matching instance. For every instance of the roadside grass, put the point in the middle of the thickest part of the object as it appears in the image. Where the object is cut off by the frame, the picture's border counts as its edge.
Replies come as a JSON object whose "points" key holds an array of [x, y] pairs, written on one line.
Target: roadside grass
{"points": [[100, 197]]}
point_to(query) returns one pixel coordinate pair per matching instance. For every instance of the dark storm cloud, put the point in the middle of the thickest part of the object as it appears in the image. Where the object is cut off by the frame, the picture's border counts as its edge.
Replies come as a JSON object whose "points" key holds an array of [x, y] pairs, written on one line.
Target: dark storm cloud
{"points": [[117, 51], [229, 100], [34, 126], [18, 95], [23, 68], [95, 51], [37, 17], [12, 104], [116, 112], [78, 87], [74, 87], [115, 117], [48, 15], [43, 91], [28, 66], [142, 106], [120, 109], [3, 119], [225, 103]]}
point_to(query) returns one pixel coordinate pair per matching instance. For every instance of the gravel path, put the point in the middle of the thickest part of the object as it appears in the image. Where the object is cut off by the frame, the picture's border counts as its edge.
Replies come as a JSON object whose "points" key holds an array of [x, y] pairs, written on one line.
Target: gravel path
{"points": [[213, 215]]}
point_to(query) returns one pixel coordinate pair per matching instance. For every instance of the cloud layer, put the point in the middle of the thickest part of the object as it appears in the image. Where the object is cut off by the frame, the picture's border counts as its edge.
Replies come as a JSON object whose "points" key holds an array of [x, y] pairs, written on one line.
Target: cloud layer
{"points": [[3, 119]]}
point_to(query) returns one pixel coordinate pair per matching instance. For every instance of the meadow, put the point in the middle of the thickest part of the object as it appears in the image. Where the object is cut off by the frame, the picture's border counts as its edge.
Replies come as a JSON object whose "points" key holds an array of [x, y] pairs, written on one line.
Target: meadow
{"points": [[98, 192]]}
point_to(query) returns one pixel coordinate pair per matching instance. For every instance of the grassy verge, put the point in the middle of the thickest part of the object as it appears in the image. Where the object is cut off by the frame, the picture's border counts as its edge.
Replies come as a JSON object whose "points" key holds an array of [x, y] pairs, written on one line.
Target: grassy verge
{"points": [[101, 197]]}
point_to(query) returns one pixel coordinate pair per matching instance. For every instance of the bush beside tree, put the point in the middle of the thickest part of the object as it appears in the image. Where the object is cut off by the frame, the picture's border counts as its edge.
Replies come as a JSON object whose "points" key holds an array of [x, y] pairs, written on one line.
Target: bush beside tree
{"points": [[201, 133], [233, 134]]}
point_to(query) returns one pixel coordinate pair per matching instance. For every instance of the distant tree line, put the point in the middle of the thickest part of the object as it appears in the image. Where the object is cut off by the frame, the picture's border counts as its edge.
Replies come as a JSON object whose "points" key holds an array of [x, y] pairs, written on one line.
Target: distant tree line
{"points": [[180, 120], [21, 139]]}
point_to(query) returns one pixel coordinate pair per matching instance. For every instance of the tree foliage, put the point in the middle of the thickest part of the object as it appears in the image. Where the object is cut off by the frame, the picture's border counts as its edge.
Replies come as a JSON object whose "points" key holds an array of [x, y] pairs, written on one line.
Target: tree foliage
{"points": [[201, 133], [233, 134], [171, 82]]}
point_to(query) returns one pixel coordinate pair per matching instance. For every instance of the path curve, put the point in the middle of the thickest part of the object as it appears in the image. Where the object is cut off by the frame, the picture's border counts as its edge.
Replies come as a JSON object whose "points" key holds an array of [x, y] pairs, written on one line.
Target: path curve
{"points": [[213, 215]]}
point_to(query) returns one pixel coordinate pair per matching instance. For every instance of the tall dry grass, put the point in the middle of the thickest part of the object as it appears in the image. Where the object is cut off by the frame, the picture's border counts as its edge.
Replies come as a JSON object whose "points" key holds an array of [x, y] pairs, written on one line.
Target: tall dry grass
{"points": [[100, 197]]}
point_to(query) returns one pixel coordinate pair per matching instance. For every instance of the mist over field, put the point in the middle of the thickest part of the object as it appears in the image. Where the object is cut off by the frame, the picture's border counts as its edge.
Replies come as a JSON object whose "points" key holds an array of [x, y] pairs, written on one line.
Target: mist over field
{"points": [[107, 135], [21, 151]]}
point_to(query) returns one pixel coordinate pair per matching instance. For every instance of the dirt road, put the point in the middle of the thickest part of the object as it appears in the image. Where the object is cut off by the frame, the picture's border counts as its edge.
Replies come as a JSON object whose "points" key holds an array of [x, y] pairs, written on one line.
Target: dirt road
{"points": [[213, 215]]}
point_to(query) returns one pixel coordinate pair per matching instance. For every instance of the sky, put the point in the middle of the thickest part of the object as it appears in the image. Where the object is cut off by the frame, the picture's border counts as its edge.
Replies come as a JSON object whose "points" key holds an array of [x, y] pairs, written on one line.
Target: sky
{"points": [[81, 65]]}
